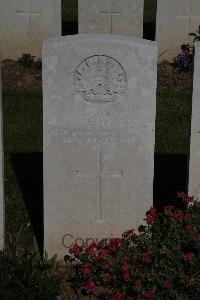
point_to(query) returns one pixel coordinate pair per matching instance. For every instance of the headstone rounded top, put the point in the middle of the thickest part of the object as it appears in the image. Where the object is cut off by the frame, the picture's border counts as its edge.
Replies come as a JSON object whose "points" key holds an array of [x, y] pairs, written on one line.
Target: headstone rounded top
{"points": [[101, 37]]}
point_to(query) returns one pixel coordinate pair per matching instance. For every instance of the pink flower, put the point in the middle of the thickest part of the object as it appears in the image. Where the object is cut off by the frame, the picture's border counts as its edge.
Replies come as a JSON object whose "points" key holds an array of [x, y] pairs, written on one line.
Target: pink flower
{"points": [[146, 257], [112, 248], [91, 286], [198, 289], [167, 284], [190, 199], [178, 215], [151, 215], [130, 231], [92, 249], [116, 241], [150, 294], [106, 266], [168, 209], [105, 252], [153, 211], [126, 258], [149, 219], [138, 283], [86, 270], [75, 250], [119, 296], [189, 256], [197, 238], [188, 216], [186, 197], [126, 276], [107, 276], [115, 260], [188, 228], [126, 267]]}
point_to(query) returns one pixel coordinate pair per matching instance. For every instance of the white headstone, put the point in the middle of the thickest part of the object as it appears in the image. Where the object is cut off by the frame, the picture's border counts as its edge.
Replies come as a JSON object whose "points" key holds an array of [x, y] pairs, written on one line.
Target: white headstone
{"points": [[175, 20], [24, 24], [123, 17], [99, 119], [1, 173], [194, 166]]}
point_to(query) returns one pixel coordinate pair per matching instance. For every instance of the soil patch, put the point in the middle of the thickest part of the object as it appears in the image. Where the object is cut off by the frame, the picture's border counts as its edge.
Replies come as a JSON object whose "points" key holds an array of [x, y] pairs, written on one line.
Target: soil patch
{"points": [[15, 76], [171, 78]]}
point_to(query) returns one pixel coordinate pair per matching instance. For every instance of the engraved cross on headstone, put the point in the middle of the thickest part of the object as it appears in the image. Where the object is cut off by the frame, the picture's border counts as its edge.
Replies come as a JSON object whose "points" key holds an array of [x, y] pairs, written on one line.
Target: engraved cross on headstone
{"points": [[189, 17], [99, 175], [28, 13], [112, 13]]}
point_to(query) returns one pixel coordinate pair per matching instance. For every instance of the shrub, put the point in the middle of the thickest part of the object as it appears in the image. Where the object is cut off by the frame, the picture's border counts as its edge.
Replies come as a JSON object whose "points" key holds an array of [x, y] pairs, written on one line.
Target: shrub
{"points": [[160, 261], [28, 61], [184, 60], [25, 276]]}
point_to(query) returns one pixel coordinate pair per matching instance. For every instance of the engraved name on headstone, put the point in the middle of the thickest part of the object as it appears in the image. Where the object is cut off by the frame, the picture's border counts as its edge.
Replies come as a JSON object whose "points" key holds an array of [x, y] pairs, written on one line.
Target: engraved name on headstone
{"points": [[99, 119]]}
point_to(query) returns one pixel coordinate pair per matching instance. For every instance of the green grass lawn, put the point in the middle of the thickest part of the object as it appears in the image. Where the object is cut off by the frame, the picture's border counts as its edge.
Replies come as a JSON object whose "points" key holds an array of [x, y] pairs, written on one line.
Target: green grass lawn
{"points": [[70, 10], [172, 122], [23, 134]]}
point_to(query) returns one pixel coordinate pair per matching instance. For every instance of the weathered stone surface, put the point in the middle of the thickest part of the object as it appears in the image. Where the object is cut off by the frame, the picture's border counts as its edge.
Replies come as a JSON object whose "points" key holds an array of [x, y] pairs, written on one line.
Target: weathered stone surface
{"points": [[123, 17], [175, 20], [24, 24], [1, 172], [194, 167], [99, 119]]}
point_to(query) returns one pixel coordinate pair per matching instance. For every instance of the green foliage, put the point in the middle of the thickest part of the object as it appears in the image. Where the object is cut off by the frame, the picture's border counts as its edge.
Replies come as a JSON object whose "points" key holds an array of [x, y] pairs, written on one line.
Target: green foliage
{"points": [[28, 61], [161, 262], [184, 60], [25, 276], [196, 35]]}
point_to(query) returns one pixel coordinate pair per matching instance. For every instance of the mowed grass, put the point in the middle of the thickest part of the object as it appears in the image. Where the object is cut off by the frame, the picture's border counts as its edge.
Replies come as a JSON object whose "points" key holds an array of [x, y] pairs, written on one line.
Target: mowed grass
{"points": [[23, 134], [22, 114], [173, 122], [70, 10]]}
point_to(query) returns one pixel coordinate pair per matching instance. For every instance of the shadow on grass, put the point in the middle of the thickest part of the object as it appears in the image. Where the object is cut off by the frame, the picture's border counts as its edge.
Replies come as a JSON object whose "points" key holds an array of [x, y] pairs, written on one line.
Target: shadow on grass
{"points": [[71, 28], [149, 31], [28, 168], [170, 178]]}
